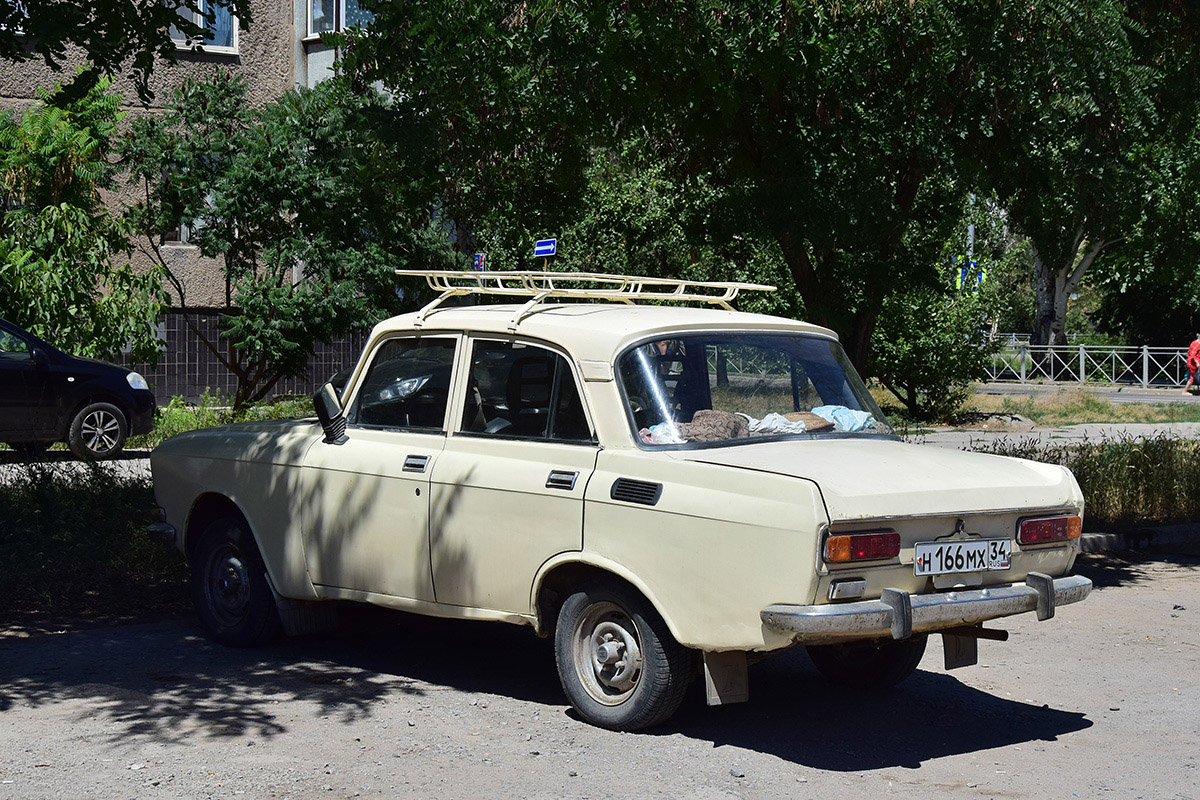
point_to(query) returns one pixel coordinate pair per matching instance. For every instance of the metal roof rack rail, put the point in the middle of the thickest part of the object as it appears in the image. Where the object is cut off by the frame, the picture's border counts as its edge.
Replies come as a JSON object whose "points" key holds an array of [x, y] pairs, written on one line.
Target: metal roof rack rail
{"points": [[539, 286]]}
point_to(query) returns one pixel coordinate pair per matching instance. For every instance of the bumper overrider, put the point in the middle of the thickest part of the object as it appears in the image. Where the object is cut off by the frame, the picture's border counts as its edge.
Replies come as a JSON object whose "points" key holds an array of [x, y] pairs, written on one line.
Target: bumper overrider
{"points": [[898, 615]]}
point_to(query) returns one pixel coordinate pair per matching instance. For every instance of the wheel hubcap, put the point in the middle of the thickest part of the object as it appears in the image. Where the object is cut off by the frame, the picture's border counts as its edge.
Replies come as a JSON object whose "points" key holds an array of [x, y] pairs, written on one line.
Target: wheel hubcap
{"points": [[227, 587], [608, 653], [100, 431]]}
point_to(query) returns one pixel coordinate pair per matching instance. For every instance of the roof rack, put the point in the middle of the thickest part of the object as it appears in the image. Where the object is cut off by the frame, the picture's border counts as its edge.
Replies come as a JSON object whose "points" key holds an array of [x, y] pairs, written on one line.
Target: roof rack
{"points": [[539, 286]]}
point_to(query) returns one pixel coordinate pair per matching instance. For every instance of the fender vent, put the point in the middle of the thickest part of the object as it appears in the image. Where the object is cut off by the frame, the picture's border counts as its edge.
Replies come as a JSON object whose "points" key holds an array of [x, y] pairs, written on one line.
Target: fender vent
{"points": [[630, 491]]}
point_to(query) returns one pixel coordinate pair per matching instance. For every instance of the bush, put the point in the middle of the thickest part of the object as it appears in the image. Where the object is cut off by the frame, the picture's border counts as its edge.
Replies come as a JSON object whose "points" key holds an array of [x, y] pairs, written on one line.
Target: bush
{"points": [[73, 541], [1125, 481], [179, 416], [928, 348]]}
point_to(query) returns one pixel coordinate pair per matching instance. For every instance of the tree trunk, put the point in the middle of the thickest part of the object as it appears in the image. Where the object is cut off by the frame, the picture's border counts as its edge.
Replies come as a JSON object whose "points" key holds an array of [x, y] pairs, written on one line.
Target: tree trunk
{"points": [[1055, 282]]}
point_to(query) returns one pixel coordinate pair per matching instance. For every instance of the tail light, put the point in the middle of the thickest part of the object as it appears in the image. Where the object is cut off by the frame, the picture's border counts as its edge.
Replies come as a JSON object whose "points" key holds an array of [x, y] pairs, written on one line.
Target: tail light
{"points": [[1045, 530], [862, 547]]}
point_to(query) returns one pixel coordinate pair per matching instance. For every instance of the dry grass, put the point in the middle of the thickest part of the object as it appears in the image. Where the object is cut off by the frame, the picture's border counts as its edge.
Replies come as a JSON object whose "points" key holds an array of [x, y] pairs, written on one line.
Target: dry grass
{"points": [[1074, 406]]}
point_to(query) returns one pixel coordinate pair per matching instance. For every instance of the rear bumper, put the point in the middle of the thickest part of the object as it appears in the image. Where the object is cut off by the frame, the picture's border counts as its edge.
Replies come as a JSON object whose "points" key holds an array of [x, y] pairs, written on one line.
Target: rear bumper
{"points": [[898, 614]]}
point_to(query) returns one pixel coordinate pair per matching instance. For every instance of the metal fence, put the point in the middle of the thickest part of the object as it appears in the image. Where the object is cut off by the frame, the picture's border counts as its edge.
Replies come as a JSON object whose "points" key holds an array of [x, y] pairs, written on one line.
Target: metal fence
{"points": [[1084, 364]]}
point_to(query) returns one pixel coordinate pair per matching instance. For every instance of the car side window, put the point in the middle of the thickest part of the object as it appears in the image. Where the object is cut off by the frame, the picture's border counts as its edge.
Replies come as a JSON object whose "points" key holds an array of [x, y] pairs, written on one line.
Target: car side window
{"points": [[14, 348], [407, 384], [519, 390]]}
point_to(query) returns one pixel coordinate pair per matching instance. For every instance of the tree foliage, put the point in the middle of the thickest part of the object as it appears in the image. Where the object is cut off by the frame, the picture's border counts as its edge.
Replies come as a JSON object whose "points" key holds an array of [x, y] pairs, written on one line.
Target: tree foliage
{"points": [[111, 35], [63, 268], [307, 216]]}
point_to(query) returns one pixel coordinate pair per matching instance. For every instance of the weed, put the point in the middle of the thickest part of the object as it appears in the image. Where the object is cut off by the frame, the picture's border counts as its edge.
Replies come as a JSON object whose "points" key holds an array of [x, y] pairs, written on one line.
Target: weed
{"points": [[1125, 481]]}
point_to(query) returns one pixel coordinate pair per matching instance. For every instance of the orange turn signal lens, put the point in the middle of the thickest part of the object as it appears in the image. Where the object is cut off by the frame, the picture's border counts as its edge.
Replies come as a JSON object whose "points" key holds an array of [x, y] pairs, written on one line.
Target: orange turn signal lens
{"points": [[862, 547]]}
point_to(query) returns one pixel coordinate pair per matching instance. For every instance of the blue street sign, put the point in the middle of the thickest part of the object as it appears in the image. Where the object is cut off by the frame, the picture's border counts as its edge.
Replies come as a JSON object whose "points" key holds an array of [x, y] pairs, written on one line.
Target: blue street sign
{"points": [[480, 261], [545, 248]]}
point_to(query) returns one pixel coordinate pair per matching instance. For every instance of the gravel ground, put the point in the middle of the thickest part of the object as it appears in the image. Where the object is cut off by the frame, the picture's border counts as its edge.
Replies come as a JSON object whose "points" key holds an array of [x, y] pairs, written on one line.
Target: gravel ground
{"points": [[1104, 700]]}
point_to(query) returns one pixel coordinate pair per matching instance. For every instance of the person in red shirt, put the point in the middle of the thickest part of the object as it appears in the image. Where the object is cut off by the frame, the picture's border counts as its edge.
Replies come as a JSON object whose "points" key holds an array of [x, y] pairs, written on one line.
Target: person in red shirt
{"points": [[1193, 363]]}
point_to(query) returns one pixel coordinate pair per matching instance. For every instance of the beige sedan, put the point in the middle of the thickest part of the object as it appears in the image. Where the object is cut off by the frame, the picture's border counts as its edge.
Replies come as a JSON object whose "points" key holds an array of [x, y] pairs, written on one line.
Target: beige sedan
{"points": [[666, 491]]}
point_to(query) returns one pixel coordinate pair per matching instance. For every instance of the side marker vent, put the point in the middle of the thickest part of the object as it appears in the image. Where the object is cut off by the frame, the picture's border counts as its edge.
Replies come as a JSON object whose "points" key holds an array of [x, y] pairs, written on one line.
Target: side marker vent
{"points": [[628, 490]]}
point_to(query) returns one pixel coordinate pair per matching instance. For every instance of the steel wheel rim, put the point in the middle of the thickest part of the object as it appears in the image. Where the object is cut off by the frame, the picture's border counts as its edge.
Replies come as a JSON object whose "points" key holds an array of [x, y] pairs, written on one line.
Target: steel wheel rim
{"points": [[227, 585], [607, 653], [100, 431]]}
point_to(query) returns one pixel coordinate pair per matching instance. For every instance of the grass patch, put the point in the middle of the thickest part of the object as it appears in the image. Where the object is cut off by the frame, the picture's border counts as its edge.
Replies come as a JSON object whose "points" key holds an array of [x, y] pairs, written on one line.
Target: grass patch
{"points": [[1079, 406], [178, 416], [72, 544], [1126, 481]]}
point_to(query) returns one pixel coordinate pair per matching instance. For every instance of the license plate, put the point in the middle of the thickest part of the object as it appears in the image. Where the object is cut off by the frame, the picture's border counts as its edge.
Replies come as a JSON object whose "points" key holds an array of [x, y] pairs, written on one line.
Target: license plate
{"points": [[977, 555]]}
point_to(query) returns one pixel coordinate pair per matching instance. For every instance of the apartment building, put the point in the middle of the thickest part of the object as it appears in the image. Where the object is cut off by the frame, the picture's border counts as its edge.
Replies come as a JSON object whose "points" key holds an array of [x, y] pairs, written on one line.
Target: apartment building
{"points": [[280, 50]]}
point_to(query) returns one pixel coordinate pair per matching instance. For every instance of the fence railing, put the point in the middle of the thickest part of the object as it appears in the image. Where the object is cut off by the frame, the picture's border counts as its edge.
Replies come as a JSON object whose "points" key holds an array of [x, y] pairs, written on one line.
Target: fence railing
{"points": [[1083, 364]]}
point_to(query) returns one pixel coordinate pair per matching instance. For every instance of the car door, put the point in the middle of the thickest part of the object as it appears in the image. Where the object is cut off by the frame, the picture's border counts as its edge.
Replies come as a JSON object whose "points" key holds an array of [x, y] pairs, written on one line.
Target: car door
{"points": [[20, 388], [508, 488], [366, 498]]}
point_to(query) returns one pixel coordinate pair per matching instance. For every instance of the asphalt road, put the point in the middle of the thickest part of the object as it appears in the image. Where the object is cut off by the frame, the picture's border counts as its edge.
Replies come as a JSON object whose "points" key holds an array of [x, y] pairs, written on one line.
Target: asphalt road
{"points": [[1102, 701]]}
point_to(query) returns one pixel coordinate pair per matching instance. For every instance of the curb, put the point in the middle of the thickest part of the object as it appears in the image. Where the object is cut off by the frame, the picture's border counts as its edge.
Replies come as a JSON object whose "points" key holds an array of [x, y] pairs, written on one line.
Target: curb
{"points": [[1159, 538]]}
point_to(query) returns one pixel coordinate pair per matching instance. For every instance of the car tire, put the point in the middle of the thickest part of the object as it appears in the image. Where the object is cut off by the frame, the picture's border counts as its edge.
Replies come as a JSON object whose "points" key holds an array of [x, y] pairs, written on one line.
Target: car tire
{"points": [[230, 588], [868, 665], [619, 665], [97, 432], [30, 451]]}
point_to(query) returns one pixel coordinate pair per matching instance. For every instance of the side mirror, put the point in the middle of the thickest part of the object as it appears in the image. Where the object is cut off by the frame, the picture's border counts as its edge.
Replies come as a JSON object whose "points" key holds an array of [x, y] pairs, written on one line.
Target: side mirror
{"points": [[329, 411], [38, 356]]}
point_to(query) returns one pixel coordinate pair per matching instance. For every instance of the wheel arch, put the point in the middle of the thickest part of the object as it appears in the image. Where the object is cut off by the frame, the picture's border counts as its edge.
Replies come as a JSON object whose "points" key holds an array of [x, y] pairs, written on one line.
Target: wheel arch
{"points": [[98, 396], [559, 576], [206, 509]]}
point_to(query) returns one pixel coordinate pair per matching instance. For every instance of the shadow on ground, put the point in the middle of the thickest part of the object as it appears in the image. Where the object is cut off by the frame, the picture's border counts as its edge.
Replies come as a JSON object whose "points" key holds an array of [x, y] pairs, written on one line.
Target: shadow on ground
{"points": [[1131, 567], [166, 682]]}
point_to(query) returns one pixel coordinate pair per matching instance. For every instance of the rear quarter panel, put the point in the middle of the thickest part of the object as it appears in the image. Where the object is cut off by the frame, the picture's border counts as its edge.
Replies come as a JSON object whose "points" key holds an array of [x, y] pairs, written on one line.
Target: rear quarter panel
{"points": [[720, 545]]}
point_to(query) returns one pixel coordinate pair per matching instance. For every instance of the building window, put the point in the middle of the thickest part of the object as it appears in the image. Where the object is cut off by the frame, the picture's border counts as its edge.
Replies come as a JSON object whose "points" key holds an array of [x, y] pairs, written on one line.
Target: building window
{"points": [[326, 16], [220, 33]]}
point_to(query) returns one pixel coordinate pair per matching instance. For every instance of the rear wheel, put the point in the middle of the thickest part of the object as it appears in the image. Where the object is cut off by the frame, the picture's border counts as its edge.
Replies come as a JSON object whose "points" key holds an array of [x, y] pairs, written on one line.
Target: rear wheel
{"points": [[619, 665], [229, 582], [98, 431], [868, 665]]}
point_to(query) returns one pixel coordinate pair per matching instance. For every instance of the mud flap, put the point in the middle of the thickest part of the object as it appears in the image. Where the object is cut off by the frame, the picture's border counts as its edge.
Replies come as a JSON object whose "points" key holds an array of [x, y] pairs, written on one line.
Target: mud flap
{"points": [[960, 651], [725, 678]]}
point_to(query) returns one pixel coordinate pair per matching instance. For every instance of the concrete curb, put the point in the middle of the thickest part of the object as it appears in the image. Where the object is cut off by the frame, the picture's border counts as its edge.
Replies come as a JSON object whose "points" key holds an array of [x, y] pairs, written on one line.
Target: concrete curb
{"points": [[1159, 538]]}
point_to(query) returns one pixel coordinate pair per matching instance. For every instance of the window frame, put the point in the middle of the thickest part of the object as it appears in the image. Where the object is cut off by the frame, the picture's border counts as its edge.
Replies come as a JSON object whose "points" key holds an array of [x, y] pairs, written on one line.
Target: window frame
{"points": [[350, 404], [460, 399], [231, 49], [339, 20]]}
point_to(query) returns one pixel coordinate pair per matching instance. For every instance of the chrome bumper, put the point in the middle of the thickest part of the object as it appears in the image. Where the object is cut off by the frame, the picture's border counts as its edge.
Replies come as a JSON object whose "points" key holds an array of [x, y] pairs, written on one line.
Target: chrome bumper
{"points": [[899, 614]]}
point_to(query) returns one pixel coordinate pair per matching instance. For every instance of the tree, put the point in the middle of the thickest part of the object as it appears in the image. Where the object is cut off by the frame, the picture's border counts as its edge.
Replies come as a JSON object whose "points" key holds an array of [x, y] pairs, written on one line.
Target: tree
{"points": [[929, 367], [107, 33], [306, 215], [63, 273]]}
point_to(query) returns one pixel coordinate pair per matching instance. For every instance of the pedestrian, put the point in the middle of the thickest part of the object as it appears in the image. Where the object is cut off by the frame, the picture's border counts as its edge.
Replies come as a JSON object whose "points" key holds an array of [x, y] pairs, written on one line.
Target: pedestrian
{"points": [[1193, 364]]}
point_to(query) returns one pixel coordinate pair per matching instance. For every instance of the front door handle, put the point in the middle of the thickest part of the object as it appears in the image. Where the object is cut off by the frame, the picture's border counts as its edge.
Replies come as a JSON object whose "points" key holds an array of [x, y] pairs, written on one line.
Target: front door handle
{"points": [[416, 463]]}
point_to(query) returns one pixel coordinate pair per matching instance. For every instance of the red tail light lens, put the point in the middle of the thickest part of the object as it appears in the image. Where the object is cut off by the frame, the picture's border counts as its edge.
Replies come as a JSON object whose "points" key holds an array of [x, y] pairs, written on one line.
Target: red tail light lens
{"points": [[862, 547], [1049, 529]]}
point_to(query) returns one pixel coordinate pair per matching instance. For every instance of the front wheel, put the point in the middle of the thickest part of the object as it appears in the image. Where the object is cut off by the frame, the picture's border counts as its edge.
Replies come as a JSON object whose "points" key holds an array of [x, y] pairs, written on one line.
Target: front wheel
{"points": [[619, 665], [98, 431], [229, 583], [868, 665]]}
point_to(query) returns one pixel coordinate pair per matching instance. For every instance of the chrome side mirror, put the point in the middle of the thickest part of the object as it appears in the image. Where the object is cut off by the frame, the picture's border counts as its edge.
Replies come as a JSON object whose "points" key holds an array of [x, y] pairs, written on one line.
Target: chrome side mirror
{"points": [[331, 414]]}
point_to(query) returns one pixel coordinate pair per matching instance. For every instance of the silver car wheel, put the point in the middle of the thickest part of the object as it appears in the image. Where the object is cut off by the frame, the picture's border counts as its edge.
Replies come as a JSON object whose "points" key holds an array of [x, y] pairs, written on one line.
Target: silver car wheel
{"points": [[101, 431], [607, 653]]}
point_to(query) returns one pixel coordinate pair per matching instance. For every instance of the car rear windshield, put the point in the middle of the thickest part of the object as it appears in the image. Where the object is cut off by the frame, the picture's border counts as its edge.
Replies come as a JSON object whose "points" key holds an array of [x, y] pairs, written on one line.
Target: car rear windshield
{"points": [[705, 389]]}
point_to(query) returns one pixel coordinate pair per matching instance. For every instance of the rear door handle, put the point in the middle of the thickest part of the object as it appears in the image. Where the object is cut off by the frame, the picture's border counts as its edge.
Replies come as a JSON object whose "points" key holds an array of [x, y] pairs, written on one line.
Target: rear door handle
{"points": [[561, 479]]}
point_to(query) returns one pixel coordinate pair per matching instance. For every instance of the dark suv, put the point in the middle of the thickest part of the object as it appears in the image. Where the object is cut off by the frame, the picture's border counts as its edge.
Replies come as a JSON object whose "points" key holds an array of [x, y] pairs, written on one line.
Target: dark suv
{"points": [[47, 396]]}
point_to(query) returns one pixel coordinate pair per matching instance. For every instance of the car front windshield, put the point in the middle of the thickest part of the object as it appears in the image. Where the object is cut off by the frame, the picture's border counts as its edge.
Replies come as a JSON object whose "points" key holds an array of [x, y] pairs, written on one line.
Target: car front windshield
{"points": [[726, 388]]}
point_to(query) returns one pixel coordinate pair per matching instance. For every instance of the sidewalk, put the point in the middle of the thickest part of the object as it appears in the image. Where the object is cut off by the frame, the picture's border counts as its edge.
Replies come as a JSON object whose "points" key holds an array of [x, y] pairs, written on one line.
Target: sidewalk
{"points": [[1180, 539]]}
